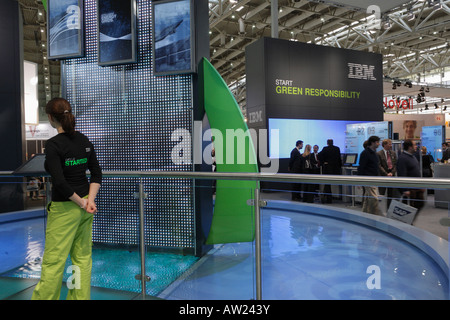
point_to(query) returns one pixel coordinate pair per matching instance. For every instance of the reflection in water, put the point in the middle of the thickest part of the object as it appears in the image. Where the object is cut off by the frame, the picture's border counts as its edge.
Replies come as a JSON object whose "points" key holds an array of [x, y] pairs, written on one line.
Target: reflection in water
{"points": [[338, 254]]}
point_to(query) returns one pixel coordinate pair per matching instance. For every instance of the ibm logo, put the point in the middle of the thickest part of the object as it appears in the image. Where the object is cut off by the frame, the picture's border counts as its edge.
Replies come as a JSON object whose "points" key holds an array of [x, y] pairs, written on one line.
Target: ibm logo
{"points": [[255, 117], [361, 71]]}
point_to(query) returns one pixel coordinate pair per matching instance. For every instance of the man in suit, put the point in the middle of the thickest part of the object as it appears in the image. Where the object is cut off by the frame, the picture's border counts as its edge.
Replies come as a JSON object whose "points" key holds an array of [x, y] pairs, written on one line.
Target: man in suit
{"points": [[315, 160], [295, 166], [408, 166], [445, 152], [369, 166], [388, 167], [330, 159]]}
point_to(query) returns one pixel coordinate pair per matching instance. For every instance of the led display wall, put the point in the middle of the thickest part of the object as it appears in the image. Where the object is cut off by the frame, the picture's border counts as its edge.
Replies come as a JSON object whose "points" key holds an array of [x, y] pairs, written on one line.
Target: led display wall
{"points": [[129, 115]]}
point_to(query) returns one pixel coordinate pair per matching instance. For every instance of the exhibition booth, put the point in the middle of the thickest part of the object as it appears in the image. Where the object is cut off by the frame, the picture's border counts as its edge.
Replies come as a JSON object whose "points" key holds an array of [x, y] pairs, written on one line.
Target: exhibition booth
{"points": [[298, 91]]}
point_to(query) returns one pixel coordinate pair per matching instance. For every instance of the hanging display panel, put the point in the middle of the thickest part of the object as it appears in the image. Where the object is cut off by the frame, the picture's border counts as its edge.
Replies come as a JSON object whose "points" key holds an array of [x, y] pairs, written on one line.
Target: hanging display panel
{"points": [[65, 29], [173, 37], [116, 32]]}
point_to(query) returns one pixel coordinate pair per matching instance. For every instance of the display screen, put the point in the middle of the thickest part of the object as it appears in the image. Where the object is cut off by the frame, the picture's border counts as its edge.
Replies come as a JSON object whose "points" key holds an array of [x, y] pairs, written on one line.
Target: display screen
{"points": [[116, 27], [65, 28], [34, 166], [172, 37], [357, 133], [311, 132], [432, 139], [350, 159]]}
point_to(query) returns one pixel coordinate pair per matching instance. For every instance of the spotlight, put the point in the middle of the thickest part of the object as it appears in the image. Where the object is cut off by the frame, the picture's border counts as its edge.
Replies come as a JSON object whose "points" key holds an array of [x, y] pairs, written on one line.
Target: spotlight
{"points": [[436, 4], [445, 108], [385, 22], [419, 98], [427, 89], [436, 106], [408, 84], [426, 107]]}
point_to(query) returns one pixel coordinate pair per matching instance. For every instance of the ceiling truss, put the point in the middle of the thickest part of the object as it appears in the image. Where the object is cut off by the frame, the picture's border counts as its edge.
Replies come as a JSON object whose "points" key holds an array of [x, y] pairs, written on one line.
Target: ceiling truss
{"points": [[416, 42]]}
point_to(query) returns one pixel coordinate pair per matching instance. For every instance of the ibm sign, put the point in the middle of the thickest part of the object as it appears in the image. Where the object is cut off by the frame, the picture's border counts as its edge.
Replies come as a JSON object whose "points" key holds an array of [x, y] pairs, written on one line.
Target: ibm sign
{"points": [[361, 71]]}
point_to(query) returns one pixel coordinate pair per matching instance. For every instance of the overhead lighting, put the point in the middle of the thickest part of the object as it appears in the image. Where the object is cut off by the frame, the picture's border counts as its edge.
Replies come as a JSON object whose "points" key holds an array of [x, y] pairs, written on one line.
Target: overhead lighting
{"points": [[386, 23], [436, 4]]}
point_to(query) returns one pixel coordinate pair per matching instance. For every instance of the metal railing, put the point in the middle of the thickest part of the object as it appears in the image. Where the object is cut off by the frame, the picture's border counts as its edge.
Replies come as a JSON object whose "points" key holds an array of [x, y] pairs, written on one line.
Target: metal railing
{"points": [[403, 182]]}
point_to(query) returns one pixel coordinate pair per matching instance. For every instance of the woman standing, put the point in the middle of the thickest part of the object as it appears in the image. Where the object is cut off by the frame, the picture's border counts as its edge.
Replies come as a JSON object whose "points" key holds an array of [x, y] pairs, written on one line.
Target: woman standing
{"points": [[307, 167], [70, 213]]}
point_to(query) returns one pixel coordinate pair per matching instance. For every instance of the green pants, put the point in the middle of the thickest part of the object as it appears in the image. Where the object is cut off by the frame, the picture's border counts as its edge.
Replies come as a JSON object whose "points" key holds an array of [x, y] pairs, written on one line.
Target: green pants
{"points": [[69, 231]]}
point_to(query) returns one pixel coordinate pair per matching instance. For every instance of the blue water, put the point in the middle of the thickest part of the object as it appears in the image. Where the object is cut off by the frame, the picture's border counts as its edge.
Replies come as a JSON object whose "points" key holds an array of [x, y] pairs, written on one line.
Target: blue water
{"points": [[304, 256], [312, 257]]}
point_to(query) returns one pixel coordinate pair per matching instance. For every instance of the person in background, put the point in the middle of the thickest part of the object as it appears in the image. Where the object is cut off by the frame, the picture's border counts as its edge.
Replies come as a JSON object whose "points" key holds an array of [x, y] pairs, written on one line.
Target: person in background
{"points": [[408, 166], [445, 152], [307, 168], [427, 160], [295, 166], [369, 166], [315, 159], [330, 159], [388, 167], [69, 155], [315, 166]]}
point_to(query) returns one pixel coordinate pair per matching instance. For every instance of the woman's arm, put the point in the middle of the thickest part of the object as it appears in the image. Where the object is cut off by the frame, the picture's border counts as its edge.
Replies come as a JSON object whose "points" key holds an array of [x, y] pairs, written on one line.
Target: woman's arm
{"points": [[93, 190]]}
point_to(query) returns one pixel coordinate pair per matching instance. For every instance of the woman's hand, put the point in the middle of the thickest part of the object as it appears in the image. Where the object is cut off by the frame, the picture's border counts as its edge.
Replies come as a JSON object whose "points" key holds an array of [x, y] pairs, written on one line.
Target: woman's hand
{"points": [[91, 207]]}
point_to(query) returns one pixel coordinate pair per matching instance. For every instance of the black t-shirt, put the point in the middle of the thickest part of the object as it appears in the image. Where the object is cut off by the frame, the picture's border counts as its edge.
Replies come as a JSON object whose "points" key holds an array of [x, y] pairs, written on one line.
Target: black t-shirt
{"points": [[67, 159]]}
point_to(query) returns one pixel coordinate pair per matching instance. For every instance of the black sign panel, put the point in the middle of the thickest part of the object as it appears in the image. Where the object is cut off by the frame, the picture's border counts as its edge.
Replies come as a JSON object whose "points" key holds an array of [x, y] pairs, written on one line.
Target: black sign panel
{"points": [[306, 81]]}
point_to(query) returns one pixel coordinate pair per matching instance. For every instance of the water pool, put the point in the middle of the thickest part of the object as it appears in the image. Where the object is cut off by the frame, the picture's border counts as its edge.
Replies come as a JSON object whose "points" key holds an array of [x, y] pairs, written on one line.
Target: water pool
{"points": [[322, 256], [309, 252]]}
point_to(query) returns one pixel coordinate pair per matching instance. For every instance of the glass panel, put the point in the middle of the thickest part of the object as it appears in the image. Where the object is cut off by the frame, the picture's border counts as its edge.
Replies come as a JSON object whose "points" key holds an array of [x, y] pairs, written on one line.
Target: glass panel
{"points": [[310, 250], [22, 236], [227, 269], [115, 236]]}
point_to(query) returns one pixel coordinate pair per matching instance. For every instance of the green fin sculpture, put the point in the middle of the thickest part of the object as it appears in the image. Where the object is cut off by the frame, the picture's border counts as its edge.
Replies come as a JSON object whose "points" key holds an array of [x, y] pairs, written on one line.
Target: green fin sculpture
{"points": [[233, 219]]}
